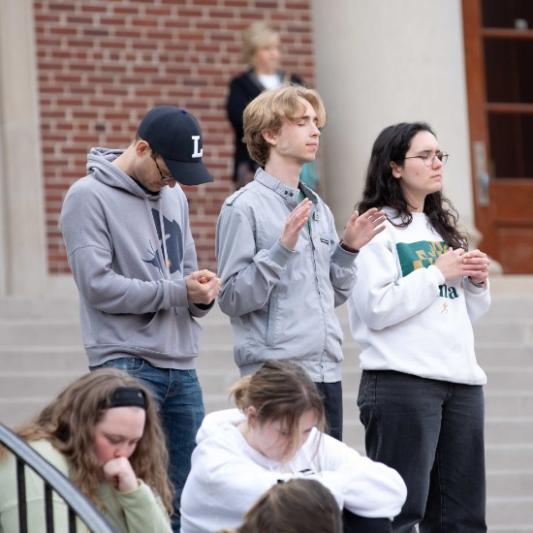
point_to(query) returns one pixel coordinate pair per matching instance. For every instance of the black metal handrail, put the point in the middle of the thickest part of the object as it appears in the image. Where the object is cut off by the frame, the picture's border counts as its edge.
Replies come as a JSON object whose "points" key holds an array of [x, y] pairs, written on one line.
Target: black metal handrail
{"points": [[78, 505]]}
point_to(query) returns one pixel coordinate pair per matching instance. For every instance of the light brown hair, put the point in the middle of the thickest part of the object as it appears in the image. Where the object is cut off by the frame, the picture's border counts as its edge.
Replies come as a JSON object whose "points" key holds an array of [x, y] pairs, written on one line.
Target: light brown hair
{"points": [[280, 391], [68, 423], [258, 34], [267, 112], [297, 506]]}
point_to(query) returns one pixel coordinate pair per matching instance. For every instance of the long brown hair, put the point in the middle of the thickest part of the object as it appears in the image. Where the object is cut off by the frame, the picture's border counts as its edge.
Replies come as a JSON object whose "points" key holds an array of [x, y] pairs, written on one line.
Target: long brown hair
{"points": [[280, 390], [68, 422], [297, 506], [383, 190]]}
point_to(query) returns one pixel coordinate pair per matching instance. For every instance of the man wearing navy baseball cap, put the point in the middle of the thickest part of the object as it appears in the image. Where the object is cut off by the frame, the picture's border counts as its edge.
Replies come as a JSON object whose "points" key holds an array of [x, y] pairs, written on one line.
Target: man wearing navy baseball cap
{"points": [[175, 135], [129, 244]]}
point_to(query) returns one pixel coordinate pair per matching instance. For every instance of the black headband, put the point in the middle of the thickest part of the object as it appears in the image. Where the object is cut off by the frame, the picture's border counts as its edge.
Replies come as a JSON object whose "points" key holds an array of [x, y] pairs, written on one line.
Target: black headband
{"points": [[127, 397]]}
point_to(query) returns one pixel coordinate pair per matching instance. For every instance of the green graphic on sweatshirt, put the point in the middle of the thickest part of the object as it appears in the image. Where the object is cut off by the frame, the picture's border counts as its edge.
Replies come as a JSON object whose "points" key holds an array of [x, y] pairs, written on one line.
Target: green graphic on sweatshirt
{"points": [[421, 254]]}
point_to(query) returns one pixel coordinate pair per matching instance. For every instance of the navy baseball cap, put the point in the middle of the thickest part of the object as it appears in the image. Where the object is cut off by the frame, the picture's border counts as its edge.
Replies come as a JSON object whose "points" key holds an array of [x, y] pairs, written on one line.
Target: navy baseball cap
{"points": [[176, 136]]}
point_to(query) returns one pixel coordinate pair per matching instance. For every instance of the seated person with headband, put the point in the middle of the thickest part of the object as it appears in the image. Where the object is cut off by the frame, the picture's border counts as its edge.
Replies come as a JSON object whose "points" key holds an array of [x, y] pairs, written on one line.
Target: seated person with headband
{"points": [[102, 432]]}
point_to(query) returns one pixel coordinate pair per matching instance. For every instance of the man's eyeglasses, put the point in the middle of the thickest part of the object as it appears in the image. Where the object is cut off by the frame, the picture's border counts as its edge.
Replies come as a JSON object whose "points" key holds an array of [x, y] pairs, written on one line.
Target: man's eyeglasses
{"points": [[428, 158], [163, 178]]}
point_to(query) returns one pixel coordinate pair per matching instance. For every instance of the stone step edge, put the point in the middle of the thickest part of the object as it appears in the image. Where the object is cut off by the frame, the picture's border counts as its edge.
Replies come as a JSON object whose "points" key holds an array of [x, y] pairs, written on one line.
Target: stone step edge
{"points": [[222, 321], [222, 372], [226, 347]]}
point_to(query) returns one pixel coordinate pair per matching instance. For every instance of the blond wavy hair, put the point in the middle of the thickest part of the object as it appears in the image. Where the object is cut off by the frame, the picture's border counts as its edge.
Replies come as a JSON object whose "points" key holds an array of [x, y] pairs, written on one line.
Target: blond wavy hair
{"points": [[68, 423], [258, 34], [269, 110]]}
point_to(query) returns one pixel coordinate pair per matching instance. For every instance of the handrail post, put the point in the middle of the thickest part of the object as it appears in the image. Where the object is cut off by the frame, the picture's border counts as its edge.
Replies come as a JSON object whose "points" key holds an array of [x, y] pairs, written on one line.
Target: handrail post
{"points": [[78, 505]]}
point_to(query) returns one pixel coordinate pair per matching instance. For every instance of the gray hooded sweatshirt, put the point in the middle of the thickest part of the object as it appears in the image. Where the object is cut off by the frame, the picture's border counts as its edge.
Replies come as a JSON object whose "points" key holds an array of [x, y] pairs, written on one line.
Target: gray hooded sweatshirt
{"points": [[133, 298]]}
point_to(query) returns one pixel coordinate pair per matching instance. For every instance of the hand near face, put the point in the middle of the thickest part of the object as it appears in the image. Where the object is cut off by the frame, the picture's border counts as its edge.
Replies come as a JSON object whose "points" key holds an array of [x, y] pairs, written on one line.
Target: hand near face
{"points": [[361, 229], [202, 286], [294, 223], [476, 266], [120, 474]]}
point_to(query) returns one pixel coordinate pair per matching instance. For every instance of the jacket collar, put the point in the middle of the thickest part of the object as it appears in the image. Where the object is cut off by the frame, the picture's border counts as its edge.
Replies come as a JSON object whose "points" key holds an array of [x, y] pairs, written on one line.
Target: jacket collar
{"points": [[289, 194]]}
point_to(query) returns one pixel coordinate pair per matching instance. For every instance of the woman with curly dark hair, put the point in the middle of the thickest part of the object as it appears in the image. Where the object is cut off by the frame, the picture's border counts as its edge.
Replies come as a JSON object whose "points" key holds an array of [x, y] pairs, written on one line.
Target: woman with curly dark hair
{"points": [[417, 292], [102, 432]]}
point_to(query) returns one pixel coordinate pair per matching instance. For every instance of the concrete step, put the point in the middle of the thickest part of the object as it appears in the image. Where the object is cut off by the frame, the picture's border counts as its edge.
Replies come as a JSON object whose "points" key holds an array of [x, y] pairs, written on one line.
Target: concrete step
{"points": [[58, 327], [490, 355], [35, 358], [12, 308], [41, 351], [220, 357], [505, 383], [509, 430], [509, 456], [40, 332], [510, 514], [506, 303], [510, 484], [35, 384], [21, 409]]}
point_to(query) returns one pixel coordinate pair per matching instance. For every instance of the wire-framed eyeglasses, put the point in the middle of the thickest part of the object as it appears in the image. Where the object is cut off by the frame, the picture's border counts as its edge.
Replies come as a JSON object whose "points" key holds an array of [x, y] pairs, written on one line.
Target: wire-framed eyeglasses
{"points": [[163, 178], [428, 158]]}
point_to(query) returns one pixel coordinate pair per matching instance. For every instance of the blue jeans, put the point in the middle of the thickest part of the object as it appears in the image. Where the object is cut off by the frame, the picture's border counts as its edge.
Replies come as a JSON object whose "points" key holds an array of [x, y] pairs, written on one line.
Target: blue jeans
{"points": [[181, 408], [431, 432]]}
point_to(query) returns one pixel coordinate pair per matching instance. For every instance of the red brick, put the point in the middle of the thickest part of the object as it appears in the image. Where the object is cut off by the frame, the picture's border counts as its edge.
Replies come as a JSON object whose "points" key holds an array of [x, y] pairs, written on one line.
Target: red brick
{"points": [[79, 19], [80, 42], [93, 8], [61, 6], [223, 14], [48, 42], [157, 11], [146, 21], [297, 5], [41, 17]]}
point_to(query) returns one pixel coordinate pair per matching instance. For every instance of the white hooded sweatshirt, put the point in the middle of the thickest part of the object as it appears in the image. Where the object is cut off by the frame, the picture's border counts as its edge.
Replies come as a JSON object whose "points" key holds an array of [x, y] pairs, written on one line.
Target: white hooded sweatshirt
{"points": [[228, 476], [404, 314]]}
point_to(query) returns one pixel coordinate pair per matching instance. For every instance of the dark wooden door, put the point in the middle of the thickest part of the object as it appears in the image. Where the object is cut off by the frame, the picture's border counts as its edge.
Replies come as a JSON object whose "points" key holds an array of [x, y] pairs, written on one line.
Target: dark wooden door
{"points": [[498, 38]]}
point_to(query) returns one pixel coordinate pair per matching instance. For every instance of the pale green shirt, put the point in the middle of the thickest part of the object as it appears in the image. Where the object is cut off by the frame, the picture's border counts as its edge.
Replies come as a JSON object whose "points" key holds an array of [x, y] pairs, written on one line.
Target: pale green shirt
{"points": [[138, 511]]}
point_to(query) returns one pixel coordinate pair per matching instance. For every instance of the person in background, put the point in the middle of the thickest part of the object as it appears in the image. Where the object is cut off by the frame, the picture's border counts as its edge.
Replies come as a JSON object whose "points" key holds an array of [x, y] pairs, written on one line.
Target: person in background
{"points": [[274, 435], [261, 51], [417, 292], [294, 506], [102, 432]]}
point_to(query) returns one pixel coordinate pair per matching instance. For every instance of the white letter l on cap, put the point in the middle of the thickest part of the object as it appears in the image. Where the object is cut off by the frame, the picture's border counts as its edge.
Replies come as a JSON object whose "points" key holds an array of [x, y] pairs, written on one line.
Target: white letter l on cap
{"points": [[197, 153]]}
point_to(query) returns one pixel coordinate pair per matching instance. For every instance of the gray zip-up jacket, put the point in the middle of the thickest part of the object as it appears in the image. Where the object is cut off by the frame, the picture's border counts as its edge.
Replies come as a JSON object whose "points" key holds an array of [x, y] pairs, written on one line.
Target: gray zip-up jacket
{"points": [[133, 297], [282, 302]]}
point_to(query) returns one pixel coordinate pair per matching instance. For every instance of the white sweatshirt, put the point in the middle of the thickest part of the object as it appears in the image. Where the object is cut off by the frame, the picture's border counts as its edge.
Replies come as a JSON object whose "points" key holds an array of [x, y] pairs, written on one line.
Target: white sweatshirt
{"points": [[403, 314], [228, 476]]}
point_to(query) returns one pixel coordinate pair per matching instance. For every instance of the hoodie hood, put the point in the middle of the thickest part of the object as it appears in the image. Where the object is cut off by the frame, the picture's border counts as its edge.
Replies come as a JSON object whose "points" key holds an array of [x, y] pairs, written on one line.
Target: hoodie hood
{"points": [[219, 421], [100, 166]]}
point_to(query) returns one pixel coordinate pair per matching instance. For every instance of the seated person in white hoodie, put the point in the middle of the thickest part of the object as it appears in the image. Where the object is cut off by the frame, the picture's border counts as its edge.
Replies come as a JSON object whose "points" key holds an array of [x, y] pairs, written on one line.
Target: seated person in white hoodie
{"points": [[276, 435], [295, 506]]}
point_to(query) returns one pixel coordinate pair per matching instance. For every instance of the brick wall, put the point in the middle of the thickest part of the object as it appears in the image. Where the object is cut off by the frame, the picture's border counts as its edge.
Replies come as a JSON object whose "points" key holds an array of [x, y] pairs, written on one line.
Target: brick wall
{"points": [[103, 63]]}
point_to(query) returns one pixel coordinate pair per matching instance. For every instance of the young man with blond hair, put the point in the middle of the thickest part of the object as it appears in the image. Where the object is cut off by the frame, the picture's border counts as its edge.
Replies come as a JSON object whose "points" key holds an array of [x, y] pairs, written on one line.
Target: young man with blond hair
{"points": [[282, 266]]}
